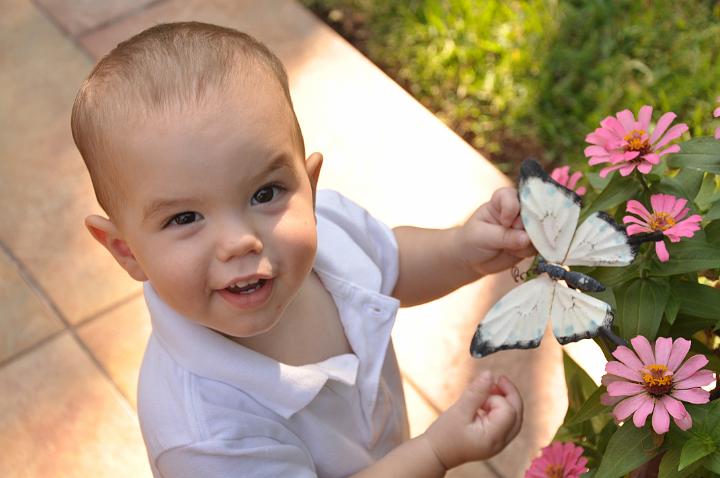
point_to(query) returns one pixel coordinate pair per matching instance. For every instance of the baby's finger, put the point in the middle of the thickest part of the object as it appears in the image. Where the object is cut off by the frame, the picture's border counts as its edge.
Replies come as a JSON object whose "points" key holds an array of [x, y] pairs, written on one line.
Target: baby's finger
{"points": [[475, 394], [500, 238], [513, 397], [505, 206], [501, 417]]}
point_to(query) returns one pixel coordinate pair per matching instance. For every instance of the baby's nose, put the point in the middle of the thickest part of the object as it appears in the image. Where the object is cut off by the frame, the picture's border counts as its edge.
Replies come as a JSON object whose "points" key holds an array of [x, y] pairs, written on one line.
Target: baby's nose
{"points": [[238, 240]]}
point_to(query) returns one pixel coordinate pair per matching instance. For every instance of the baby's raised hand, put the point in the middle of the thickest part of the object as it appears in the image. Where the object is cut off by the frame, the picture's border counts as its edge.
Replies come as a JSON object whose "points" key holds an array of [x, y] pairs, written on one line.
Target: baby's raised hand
{"points": [[479, 425], [493, 238]]}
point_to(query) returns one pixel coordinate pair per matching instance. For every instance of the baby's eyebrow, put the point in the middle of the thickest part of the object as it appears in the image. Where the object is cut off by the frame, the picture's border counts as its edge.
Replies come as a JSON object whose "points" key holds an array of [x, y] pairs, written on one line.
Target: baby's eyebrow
{"points": [[160, 204]]}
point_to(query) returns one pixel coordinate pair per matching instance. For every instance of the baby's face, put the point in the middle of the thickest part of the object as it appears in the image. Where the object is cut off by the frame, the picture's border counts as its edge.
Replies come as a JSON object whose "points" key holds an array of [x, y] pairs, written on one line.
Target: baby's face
{"points": [[219, 211]]}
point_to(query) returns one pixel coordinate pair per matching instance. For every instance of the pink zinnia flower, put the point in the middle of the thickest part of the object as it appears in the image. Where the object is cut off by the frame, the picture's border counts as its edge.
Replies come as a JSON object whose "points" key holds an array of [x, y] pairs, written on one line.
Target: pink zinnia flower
{"points": [[716, 114], [655, 382], [667, 216], [626, 143], [562, 176], [558, 460]]}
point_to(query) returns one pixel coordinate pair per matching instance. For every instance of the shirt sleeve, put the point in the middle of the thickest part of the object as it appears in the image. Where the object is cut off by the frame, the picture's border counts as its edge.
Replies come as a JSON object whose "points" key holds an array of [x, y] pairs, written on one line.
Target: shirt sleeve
{"points": [[252, 457], [357, 236]]}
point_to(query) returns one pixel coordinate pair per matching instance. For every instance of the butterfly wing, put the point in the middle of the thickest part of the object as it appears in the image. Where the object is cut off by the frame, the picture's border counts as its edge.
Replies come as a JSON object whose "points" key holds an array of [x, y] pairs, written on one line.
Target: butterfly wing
{"points": [[517, 320], [549, 212], [577, 316], [600, 241]]}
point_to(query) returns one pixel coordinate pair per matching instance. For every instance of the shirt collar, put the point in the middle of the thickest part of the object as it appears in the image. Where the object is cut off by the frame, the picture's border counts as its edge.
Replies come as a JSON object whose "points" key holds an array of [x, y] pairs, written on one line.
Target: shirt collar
{"points": [[207, 353]]}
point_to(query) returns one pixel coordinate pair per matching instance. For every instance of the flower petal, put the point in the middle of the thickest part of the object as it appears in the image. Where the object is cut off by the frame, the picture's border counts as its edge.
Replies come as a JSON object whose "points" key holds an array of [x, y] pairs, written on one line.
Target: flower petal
{"points": [[662, 251], [621, 370], [699, 379], [644, 117], [628, 406], [662, 125], [645, 167], [643, 349], [622, 388], [636, 229], [628, 357], [660, 419], [679, 350], [663, 346], [692, 365], [673, 133], [636, 207], [627, 119], [677, 208], [692, 395], [670, 149], [677, 411], [642, 412], [607, 400]]}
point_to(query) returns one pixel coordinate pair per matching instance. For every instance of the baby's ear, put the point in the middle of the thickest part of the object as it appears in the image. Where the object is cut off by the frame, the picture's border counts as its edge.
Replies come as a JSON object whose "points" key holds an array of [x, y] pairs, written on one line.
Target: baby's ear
{"points": [[312, 165], [107, 234]]}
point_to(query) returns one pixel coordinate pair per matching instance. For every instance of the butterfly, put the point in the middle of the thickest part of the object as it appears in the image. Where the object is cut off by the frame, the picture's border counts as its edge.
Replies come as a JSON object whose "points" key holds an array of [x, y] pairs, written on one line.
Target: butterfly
{"points": [[550, 214]]}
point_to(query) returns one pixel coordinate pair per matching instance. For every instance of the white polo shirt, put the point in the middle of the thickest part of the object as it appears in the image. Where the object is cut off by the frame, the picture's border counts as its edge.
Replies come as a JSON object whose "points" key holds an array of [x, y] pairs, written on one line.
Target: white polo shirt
{"points": [[210, 407]]}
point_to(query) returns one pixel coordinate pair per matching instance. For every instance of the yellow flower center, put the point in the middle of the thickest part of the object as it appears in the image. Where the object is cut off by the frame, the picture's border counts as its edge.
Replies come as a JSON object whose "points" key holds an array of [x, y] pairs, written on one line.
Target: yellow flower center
{"points": [[635, 142], [657, 378], [661, 221], [554, 471]]}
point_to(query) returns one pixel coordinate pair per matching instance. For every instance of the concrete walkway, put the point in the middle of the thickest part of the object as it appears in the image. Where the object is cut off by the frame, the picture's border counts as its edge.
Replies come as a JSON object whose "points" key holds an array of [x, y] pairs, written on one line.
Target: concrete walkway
{"points": [[74, 325]]}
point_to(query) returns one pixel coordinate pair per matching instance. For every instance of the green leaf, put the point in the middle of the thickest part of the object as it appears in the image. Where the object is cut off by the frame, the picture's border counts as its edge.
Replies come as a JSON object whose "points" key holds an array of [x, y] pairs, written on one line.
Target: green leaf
{"points": [[613, 276], [641, 303], [590, 409], [618, 190], [712, 462], [629, 448], [596, 181], [708, 193], [686, 325], [685, 184], [671, 462], [697, 299], [695, 449], [712, 232], [713, 213], [579, 384], [688, 255], [672, 307], [700, 153]]}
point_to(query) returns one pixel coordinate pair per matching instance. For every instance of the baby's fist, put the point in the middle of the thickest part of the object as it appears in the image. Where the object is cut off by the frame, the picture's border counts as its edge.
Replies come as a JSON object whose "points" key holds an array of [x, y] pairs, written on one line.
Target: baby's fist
{"points": [[493, 239], [485, 418]]}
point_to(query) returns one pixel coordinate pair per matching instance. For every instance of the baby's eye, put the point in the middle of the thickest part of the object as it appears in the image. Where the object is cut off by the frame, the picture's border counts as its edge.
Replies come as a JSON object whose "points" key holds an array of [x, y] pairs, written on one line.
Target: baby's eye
{"points": [[183, 218], [265, 194]]}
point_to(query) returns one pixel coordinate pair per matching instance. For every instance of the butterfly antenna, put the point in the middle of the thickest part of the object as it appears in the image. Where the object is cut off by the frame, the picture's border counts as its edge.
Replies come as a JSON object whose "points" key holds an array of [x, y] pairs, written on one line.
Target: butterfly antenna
{"points": [[637, 239], [517, 275], [608, 334]]}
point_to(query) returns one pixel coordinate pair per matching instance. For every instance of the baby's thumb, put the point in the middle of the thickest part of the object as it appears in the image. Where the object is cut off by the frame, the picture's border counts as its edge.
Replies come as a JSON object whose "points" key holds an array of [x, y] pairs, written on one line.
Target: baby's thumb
{"points": [[475, 394]]}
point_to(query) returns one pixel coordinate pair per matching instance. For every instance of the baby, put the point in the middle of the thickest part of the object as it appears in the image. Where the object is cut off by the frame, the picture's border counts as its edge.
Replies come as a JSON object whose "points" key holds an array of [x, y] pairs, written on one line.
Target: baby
{"points": [[271, 302]]}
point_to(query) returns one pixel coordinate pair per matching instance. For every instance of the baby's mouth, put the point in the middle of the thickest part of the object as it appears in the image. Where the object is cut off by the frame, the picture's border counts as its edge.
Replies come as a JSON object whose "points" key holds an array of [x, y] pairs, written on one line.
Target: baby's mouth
{"points": [[246, 287]]}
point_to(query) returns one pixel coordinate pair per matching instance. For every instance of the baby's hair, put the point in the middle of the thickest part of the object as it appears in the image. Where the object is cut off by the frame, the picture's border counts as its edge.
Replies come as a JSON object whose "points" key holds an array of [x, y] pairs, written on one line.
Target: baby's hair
{"points": [[162, 70]]}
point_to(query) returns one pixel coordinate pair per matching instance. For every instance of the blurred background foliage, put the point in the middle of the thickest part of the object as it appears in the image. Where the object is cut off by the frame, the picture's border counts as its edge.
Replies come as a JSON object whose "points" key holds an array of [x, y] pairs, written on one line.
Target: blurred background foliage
{"points": [[532, 78]]}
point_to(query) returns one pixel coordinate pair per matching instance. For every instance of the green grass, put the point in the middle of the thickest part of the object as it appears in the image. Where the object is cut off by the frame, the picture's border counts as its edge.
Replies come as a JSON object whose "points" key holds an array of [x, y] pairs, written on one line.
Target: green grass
{"points": [[533, 77]]}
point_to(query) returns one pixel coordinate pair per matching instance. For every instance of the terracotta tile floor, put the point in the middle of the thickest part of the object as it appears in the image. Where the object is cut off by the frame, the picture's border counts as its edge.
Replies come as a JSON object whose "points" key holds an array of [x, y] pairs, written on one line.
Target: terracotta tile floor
{"points": [[74, 326]]}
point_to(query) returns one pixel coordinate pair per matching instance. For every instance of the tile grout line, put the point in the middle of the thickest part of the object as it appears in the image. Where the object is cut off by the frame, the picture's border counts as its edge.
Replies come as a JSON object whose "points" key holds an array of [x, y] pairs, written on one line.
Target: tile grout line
{"points": [[75, 39], [437, 410], [107, 309], [35, 286], [120, 17], [54, 21]]}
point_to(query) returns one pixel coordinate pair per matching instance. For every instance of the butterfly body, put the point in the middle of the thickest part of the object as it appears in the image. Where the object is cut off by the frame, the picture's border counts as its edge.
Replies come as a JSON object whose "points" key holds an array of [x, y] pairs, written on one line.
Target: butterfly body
{"points": [[550, 214], [574, 280]]}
